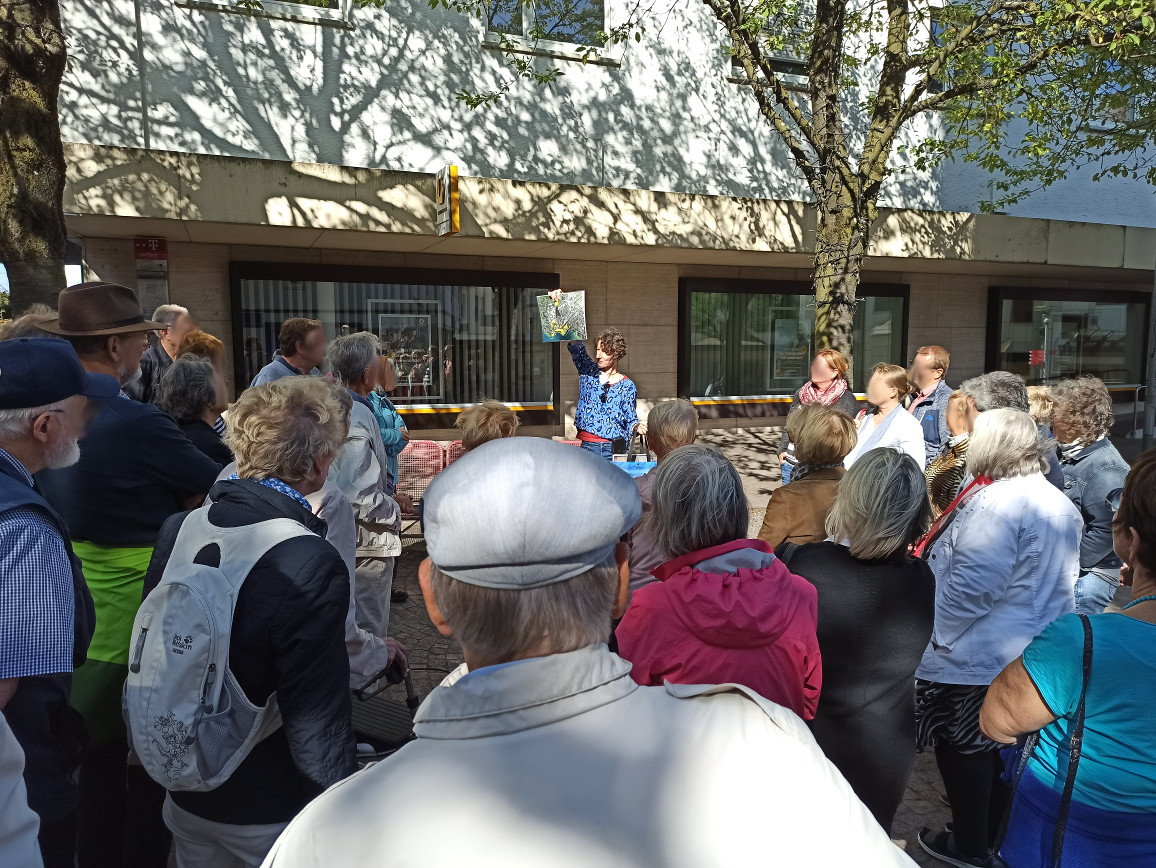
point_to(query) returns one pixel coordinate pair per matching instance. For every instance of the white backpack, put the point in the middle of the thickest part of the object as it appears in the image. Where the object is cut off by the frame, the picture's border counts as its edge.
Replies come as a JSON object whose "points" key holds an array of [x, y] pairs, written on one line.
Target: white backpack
{"points": [[188, 720]]}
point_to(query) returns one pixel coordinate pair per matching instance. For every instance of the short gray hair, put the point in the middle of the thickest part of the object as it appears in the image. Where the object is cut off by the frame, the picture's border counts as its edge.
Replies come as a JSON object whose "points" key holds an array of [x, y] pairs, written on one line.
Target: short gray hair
{"points": [[1005, 444], [999, 389], [168, 314], [697, 501], [671, 424], [500, 624], [187, 388], [16, 423], [350, 356], [881, 505]]}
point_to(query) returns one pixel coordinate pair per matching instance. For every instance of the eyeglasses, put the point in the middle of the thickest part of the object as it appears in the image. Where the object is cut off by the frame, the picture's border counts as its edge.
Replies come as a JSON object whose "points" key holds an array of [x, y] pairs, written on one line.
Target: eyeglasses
{"points": [[605, 391]]}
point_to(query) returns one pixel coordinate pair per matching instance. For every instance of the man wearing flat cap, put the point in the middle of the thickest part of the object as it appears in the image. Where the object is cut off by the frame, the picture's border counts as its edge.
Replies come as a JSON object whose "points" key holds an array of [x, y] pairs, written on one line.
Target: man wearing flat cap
{"points": [[137, 469], [46, 615], [541, 750]]}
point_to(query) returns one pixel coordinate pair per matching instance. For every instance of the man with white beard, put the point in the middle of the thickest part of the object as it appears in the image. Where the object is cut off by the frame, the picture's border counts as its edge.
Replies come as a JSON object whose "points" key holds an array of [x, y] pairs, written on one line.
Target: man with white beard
{"points": [[136, 469], [46, 614]]}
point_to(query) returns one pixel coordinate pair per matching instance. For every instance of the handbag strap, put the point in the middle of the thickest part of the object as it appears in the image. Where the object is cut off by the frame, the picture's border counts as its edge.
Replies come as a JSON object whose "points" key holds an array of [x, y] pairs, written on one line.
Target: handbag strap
{"points": [[1077, 749], [788, 550], [949, 515]]}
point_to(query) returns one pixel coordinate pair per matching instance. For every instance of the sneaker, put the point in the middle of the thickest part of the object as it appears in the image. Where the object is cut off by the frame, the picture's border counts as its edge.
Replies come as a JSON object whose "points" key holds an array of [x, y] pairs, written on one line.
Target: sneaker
{"points": [[941, 846], [398, 597]]}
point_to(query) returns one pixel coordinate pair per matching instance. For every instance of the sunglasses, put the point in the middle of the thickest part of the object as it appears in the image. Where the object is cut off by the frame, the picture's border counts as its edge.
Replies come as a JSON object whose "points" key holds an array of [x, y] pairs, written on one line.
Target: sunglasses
{"points": [[605, 391]]}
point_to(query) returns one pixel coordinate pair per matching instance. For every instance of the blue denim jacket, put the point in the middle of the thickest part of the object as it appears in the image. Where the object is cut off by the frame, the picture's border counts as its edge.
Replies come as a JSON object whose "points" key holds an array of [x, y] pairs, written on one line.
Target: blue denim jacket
{"points": [[1089, 477], [1004, 569]]}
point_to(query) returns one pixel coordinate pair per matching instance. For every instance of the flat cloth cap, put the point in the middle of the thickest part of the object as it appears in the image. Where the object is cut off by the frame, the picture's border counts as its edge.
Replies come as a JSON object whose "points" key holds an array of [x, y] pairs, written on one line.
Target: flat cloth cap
{"points": [[523, 512]]}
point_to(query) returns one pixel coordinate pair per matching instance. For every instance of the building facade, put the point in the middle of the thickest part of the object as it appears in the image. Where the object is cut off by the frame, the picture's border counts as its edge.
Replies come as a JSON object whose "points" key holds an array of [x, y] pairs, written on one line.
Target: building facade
{"points": [[284, 161]]}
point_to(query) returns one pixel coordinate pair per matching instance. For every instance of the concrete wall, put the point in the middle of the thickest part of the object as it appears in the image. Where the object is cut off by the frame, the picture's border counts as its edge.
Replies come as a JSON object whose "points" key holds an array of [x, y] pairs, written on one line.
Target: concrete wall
{"points": [[377, 91]]}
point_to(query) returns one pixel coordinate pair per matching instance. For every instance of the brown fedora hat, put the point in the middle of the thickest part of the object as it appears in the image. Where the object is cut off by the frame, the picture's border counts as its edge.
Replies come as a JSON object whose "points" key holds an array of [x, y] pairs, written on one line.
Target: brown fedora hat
{"points": [[98, 309]]}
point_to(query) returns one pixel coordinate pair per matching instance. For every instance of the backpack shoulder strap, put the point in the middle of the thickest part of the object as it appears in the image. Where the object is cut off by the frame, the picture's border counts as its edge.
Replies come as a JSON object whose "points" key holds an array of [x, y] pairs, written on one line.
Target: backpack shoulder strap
{"points": [[241, 547]]}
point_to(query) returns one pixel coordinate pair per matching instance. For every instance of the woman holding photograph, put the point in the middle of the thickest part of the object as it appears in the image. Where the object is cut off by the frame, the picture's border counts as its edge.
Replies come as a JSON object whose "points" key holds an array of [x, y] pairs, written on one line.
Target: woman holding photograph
{"points": [[607, 398]]}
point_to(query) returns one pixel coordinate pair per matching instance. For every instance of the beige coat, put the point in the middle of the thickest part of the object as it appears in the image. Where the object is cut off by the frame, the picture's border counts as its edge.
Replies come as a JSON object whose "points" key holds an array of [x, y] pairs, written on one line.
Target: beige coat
{"points": [[564, 762]]}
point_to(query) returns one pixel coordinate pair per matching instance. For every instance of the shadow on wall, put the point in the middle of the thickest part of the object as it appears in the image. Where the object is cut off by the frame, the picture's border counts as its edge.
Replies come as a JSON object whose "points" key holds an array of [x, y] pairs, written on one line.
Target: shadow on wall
{"points": [[381, 95]]}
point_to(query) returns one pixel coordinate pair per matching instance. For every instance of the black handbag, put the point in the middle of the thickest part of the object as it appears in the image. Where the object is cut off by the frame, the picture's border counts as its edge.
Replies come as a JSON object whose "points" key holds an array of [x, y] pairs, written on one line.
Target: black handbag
{"points": [[1077, 747]]}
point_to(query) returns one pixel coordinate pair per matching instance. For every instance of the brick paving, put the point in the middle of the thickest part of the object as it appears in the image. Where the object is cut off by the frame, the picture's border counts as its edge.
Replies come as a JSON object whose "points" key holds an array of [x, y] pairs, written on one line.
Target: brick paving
{"points": [[753, 452]]}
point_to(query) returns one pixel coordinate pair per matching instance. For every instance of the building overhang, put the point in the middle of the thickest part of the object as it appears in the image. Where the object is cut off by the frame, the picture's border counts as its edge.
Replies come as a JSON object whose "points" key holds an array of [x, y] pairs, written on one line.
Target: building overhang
{"points": [[115, 192]]}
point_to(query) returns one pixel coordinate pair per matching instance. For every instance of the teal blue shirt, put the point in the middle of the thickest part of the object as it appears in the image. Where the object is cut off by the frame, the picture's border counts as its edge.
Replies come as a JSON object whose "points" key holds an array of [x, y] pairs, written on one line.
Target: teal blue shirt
{"points": [[1118, 767]]}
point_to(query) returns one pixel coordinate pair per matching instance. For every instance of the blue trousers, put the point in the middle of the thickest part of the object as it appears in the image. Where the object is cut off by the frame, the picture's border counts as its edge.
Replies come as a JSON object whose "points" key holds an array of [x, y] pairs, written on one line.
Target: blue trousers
{"points": [[603, 450]]}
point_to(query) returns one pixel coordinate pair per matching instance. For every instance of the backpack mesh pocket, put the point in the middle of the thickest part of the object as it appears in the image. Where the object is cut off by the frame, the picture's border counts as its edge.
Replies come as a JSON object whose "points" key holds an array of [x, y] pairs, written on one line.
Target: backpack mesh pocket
{"points": [[222, 733]]}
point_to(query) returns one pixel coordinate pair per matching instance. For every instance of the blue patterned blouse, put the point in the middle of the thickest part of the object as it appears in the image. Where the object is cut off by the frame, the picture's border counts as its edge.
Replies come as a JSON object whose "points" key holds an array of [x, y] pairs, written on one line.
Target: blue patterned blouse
{"points": [[615, 417]]}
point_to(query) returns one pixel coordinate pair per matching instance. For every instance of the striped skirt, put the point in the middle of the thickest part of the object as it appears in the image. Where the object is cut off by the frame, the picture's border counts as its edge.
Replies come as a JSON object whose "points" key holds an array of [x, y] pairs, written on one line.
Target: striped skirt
{"points": [[948, 714]]}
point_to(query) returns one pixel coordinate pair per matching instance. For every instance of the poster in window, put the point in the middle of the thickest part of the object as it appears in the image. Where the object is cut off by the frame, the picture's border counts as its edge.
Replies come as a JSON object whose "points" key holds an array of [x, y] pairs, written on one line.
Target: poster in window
{"points": [[409, 342], [564, 319], [791, 351]]}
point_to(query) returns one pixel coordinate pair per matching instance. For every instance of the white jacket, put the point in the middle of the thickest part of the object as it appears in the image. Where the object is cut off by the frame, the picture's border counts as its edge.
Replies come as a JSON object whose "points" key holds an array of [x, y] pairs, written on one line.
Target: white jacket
{"points": [[19, 824], [368, 654], [904, 434], [564, 762], [361, 472]]}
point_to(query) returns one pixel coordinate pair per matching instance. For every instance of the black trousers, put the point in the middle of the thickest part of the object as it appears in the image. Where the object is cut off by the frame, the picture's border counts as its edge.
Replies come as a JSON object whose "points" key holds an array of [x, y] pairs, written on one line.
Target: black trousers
{"points": [[979, 797], [119, 823]]}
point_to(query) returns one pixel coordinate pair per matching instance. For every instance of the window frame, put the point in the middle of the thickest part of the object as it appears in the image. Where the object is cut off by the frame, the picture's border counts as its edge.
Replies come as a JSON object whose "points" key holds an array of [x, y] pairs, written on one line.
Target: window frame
{"points": [[418, 417], [771, 404], [336, 15], [997, 295], [604, 55], [800, 82]]}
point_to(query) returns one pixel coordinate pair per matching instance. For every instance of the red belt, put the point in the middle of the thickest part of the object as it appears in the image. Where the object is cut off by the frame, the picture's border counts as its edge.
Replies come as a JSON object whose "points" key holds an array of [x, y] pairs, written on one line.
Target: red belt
{"points": [[587, 437]]}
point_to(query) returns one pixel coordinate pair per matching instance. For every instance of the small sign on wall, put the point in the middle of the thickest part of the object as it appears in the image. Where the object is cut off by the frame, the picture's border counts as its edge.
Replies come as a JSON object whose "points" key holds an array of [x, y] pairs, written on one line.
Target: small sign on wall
{"points": [[152, 272], [446, 199]]}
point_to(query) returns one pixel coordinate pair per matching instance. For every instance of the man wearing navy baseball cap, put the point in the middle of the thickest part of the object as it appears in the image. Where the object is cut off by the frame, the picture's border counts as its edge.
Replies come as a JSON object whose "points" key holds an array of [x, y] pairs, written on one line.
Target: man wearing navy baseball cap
{"points": [[541, 749], [46, 614]]}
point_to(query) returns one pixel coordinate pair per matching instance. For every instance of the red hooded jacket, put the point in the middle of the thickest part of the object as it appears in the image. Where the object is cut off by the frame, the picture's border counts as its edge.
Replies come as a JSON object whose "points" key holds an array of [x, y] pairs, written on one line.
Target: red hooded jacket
{"points": [[728, 614]]}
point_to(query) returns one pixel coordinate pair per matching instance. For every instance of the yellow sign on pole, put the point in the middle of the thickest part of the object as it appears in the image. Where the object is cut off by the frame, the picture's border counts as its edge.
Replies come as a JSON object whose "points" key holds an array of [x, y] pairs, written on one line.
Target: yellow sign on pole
{"points": [[446, 198]]}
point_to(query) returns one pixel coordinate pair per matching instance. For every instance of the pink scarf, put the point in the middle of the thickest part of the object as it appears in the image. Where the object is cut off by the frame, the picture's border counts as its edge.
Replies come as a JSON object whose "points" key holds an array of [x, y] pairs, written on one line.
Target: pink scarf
{"points": [[828, 395]]}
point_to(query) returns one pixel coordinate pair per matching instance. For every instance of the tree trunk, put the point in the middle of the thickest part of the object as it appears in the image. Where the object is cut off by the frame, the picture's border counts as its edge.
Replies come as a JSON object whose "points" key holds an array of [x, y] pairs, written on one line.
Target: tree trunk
{"points": [[32, 232], [839, 251]]}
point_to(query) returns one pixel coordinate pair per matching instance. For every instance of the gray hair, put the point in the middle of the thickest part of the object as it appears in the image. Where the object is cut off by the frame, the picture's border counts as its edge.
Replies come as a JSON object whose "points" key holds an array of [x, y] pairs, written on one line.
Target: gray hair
{"points": [[671, 424], [168, 314], [15, 424], [997, 390], [1005, 444], [697, 502], [352, 355], [500, 624], [881, 505], [187, 388]]}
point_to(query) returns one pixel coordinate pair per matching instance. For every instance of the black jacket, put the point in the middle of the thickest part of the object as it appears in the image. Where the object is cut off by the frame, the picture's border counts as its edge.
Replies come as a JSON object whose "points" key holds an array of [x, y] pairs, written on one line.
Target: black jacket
{"points": [[288, 638], [153, 364], [202, 435]]}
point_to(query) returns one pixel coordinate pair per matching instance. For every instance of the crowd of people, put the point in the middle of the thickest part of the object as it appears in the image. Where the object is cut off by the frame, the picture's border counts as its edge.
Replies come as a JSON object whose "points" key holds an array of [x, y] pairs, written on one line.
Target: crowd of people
{"points": [[192, 588]]}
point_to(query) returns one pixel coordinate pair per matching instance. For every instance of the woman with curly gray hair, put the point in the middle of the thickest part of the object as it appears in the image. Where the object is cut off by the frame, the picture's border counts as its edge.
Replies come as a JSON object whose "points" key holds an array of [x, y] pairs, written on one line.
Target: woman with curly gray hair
{"points": [[1093, 470]]}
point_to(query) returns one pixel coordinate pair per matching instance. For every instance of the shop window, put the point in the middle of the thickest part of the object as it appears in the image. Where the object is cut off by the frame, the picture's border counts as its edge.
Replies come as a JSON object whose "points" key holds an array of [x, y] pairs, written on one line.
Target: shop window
{"points": [[1045, 336], [746, 339], [453, 337]]}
